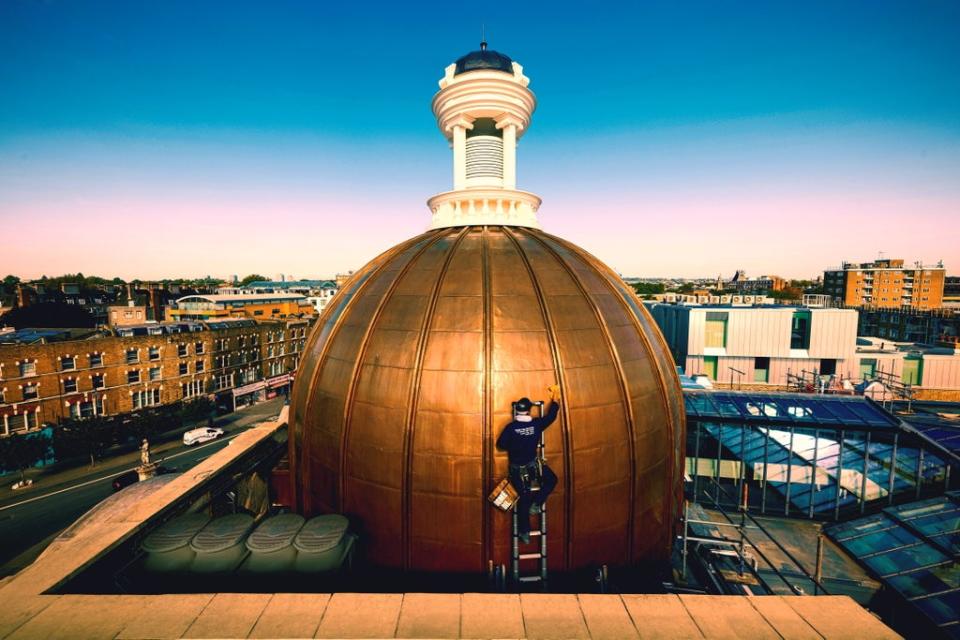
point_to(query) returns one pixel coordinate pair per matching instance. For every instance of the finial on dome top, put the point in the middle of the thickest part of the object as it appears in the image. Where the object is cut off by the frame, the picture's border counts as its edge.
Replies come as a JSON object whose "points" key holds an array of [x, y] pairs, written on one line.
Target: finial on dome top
{"points": [[483, 37], [483, 45]]}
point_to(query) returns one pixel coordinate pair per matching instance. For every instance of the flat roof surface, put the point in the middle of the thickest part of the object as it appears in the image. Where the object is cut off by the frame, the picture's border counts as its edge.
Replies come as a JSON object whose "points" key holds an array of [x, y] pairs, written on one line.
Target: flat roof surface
{"points": [[28, 611], [437, 615]]}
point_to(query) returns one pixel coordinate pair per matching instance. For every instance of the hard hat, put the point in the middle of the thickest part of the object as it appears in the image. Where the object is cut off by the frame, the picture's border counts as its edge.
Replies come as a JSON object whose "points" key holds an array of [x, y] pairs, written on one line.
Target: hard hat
{"points": [[524, 404]]}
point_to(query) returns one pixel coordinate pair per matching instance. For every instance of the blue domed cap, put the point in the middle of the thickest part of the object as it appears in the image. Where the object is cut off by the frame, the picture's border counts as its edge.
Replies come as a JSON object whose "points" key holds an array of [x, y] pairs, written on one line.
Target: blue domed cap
{"points": [[484, 59]]}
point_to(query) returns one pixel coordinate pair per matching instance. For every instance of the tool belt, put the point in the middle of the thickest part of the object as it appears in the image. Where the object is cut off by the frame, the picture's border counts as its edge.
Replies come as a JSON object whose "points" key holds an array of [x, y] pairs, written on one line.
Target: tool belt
{"points": [[528, 474]]}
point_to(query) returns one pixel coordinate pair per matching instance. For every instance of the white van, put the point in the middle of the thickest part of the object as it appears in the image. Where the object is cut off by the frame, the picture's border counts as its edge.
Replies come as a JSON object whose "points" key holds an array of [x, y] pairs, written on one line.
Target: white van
{"points": [[203, 434]]}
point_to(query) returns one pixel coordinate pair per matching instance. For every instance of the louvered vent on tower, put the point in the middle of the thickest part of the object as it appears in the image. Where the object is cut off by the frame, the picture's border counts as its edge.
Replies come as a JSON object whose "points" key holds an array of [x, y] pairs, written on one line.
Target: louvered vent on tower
{"points": [[484, 157]]}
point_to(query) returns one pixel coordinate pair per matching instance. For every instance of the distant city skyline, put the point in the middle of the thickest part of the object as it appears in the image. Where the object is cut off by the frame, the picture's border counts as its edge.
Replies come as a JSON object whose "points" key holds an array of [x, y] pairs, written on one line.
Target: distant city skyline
{"points": [[176, 140]]}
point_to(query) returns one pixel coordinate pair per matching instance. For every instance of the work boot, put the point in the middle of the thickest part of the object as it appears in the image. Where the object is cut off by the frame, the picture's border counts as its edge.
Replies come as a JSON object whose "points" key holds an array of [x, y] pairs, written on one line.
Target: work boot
{"points": [[525, 538]]}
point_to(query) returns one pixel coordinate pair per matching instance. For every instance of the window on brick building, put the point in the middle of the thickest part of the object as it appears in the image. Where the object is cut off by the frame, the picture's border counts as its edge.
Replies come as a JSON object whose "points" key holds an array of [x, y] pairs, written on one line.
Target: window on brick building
{"points": [[198, 366], [183, 368], [68, 363], [154, 353], [133, 356], [147, 398], [96, 359], [154, 373], [133, 376], [31, 391], [69, 385], [198, 348], [192, 389], [97, 380], [182, 350], [28, 369]]}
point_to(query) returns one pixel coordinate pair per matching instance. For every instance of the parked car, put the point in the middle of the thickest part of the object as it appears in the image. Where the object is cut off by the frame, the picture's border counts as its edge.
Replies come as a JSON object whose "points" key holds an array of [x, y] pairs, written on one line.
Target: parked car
{"points": [[203, 434], [129, 477]]}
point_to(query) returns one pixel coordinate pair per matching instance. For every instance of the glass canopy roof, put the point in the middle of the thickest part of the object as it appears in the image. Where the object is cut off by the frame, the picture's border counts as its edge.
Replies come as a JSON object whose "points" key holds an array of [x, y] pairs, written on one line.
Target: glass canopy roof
{"points": [[786, 409], [914, 549]]}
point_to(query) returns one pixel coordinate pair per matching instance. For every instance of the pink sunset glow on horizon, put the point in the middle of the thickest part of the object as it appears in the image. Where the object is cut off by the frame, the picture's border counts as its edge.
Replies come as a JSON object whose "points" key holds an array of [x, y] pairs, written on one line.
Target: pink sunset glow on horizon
{"points": [[312, 235]]}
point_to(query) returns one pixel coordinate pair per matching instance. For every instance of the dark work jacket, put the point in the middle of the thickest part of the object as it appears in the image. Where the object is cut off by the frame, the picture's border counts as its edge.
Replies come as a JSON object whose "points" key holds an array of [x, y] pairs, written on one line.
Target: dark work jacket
{"points": [[520, 439]]}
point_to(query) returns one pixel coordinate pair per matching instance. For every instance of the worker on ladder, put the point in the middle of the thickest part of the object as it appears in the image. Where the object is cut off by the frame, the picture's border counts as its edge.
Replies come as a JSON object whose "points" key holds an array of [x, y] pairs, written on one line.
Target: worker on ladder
{"points": [[520, 440]]}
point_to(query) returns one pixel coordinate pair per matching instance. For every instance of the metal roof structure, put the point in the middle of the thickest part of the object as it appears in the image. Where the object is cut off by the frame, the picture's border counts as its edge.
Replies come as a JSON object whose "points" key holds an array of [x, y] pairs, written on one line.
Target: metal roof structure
{"points": [[230, 323], [943, 431], [787, 409], [42, 335], [913, 548], [31, 336]]}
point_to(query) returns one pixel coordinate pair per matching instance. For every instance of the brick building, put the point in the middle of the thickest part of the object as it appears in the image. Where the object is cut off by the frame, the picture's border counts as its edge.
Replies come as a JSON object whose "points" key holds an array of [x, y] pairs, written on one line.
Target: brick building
{"points": [[234, 362], [886, 284], [741, 282]]}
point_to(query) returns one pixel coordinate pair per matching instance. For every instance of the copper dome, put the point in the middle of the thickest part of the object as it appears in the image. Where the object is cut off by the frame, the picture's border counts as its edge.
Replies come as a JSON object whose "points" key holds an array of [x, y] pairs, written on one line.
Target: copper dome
{"points": [[408, 377]]}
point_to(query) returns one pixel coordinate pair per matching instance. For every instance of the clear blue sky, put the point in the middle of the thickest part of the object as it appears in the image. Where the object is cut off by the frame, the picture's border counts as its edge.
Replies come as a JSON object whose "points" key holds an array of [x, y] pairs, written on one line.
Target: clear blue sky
{"points": [[660, 121]]}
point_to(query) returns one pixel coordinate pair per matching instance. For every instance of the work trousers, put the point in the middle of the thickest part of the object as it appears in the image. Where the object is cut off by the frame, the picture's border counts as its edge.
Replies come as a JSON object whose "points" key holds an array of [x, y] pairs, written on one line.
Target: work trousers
{"points": [[527, 498]]}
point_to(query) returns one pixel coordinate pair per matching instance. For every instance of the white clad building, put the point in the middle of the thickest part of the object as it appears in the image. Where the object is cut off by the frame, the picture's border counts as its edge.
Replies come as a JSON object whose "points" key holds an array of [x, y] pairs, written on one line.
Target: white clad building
{"points": [[765, 343]]}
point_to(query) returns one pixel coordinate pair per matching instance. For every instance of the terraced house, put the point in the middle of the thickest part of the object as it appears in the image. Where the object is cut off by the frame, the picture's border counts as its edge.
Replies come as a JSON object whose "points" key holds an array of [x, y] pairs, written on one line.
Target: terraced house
{"points": [[50, 375]]}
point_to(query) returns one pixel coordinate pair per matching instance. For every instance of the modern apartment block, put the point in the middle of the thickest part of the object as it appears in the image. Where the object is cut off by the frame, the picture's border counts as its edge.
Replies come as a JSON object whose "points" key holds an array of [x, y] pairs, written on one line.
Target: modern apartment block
{"points": [[951, 292], [910, 325], [759, 345], [58, 376], [886, 284]]}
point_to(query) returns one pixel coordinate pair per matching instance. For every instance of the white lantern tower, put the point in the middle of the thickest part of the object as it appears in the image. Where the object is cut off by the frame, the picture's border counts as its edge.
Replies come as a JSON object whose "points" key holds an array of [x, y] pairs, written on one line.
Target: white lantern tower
{"points": [[483, 108]]}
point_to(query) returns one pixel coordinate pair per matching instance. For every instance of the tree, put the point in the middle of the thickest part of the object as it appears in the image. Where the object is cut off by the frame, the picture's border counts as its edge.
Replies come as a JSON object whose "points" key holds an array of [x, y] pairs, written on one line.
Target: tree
{"points": [[253, 277], [88, 438], [196, 410], [787, 293], [11, 281], [49, 315], [644, 288], [22, 451]]}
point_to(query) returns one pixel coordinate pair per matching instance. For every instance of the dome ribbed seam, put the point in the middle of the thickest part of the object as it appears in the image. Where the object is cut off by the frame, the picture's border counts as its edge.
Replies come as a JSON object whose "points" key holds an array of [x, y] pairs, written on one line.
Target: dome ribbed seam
{"points": [[413, 395], [621, 379]]}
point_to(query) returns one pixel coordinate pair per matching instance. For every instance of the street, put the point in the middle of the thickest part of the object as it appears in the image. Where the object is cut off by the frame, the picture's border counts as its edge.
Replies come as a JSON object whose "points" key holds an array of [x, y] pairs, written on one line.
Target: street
{"points": [[30, 521]]}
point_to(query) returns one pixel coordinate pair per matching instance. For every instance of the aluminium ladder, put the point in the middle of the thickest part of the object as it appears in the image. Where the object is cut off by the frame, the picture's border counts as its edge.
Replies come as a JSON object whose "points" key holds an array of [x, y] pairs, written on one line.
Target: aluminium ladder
{"points": [[538, 535]]}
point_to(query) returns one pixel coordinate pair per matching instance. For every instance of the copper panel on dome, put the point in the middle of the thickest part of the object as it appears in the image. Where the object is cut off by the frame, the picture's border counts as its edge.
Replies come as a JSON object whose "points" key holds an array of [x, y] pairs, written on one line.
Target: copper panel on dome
{"points": [[392, 348], [521, 351], [584, 348], [413, 382], [450, 433], [458, 313], [454, 351], [517, 313]]}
